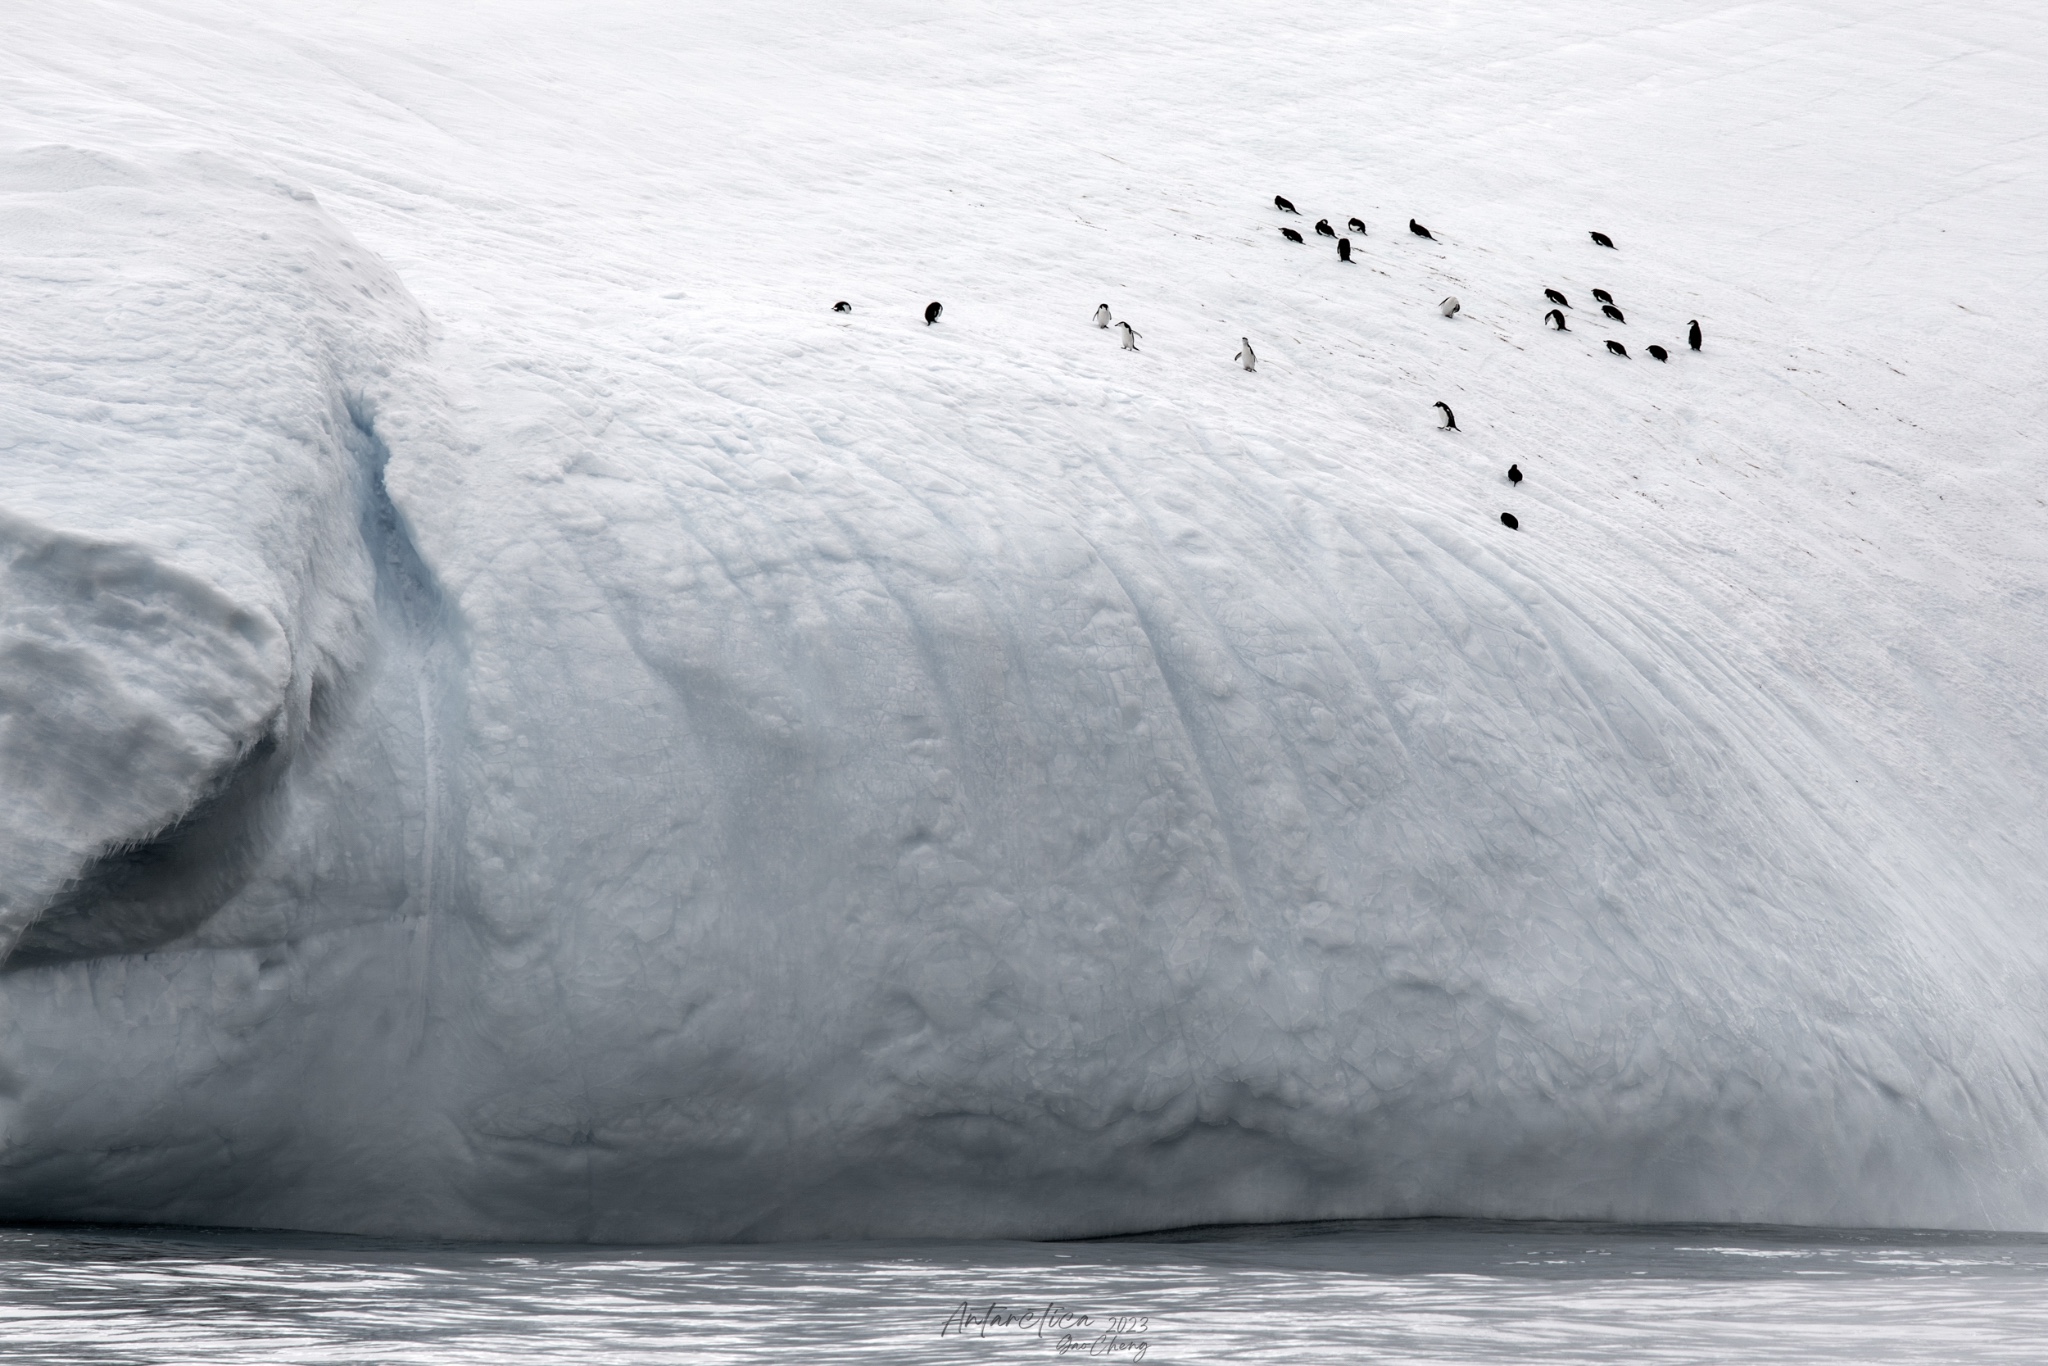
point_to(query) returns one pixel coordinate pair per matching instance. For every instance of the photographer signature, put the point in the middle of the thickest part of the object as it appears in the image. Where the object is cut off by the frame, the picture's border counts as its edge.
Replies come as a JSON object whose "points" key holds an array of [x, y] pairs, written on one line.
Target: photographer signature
{"points": [[1069, 1330]]}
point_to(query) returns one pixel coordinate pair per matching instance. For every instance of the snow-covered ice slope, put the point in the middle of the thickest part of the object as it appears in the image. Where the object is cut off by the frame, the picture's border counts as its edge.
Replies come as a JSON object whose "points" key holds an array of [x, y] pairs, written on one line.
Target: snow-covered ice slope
{"points": [[517, 720]]}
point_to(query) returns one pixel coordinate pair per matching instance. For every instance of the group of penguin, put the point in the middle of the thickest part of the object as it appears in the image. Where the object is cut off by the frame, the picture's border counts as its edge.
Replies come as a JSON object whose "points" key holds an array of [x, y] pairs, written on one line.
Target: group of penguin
{"points": [[1450, 308]]}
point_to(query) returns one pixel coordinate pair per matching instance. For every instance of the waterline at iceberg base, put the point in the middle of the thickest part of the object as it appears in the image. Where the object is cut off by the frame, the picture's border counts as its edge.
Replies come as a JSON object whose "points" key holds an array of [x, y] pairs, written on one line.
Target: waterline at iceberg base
{"points": [[517, 721]]}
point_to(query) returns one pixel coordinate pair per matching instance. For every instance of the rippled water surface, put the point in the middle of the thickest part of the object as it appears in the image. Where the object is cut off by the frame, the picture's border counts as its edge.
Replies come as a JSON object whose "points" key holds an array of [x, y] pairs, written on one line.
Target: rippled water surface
{"points": [[1430, 1291]]}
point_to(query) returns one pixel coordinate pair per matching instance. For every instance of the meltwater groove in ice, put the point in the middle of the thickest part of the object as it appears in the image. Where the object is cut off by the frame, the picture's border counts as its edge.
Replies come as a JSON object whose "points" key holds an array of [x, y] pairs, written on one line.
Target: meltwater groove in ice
{"points": [[521, 722]]}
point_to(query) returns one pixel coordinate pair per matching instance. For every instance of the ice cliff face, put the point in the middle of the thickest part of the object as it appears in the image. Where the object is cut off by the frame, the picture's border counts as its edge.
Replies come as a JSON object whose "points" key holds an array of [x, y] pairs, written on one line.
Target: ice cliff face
{"points": [[583, 742]]}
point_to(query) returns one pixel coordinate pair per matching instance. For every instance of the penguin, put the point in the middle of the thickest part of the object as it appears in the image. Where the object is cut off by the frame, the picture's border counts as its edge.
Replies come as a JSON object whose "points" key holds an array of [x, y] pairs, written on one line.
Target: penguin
{"points": [[1692, 334], [1601, 239], [1419, 230], [1617, 348], [1343, 249], [1514, 474], [842, 307], [1450, 418], [1290, 234], [1557, 298], [1449, 307], [1660, 353], [1130, 336], [1283, 205], [1556, 320], [1245, 356], [932, 311], [1357, 225], [1603, 296], [1102, 315], [1507, 519], [1611, 311], [1323, 228]]}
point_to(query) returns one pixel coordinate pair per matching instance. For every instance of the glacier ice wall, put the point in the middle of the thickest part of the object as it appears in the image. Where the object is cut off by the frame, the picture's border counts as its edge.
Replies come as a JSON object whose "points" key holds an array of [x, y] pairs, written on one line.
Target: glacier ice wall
{"points": [[565, 769]]}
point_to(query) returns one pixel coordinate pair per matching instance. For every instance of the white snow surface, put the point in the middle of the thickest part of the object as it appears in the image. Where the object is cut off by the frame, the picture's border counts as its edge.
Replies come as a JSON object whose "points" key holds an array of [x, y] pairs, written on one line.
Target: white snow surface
{"points": [[516, 720]]}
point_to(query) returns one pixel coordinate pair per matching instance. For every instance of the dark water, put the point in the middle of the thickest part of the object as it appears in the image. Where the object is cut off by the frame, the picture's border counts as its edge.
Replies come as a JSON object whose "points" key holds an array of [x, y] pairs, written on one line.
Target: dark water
{"points": [[1417, 1291]]}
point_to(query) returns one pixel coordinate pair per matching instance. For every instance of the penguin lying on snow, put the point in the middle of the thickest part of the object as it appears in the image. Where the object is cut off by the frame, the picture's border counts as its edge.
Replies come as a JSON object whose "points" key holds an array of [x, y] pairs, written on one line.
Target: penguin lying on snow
{"points": [[1130, 336], [1290, 234], [1507, 519], [1603, 296], [1245, 356], [1323, 228], [1450, 418], [1602, 239], [1283, 205], [1514, 474], [1557, 298], [1660, 353], [842, 307], [1617, 348], [1692, 334], [1419, 230], [1102, 315], [1556, 320], [932, 311], [1357, 226], [1343, 249], [1449, 307], [1611, 311]]}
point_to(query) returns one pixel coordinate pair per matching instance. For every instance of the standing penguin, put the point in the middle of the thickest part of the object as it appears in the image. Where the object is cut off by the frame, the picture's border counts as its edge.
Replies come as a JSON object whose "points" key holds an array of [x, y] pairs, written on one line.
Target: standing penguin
{"points": [[1514, 474], [1557, 298], [1603, 240], [1556, 320], [1102, 315], [1449, 307], [1130, 336], [1284, 205], [1323, 228], [932, 311], [1450, 418], [1357, 225], [1419, 230], [1343, 249], [1692, 334], [1245, 356]]}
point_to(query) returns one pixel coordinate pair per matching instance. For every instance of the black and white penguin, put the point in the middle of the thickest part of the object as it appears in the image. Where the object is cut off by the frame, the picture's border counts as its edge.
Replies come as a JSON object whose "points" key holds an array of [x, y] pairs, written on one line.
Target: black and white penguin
{"points": [[1692, 334], [1611, 311], [1603, 296], [1102, 315], [1290, 234], [1284, 205], [1507, 519], [842, 307], [1514, 474], [1449, 307], [1617, 348], [1323, 228], [1245, 356], [1450, 418], [1660, 353], [1556, 320], [1343, 249], [1419, 230], [1130, 336], [1557, 298], [932, 311], [1357, 225], [1602, 239]]}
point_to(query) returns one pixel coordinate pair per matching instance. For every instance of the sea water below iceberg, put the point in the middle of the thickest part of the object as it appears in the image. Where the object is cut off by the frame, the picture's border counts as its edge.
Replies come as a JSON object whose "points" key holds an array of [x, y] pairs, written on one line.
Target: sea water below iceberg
{"points": [[1406, 1291]]}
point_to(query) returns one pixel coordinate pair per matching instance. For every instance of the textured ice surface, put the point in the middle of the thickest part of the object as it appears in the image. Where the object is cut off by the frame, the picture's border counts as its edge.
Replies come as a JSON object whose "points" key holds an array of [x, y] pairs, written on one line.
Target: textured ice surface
{"points": [[519, 721]]}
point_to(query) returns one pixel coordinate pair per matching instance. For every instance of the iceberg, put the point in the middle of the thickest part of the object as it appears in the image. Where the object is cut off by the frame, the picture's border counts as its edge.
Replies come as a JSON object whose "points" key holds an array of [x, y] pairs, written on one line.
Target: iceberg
{"points": [[519, 721]]}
